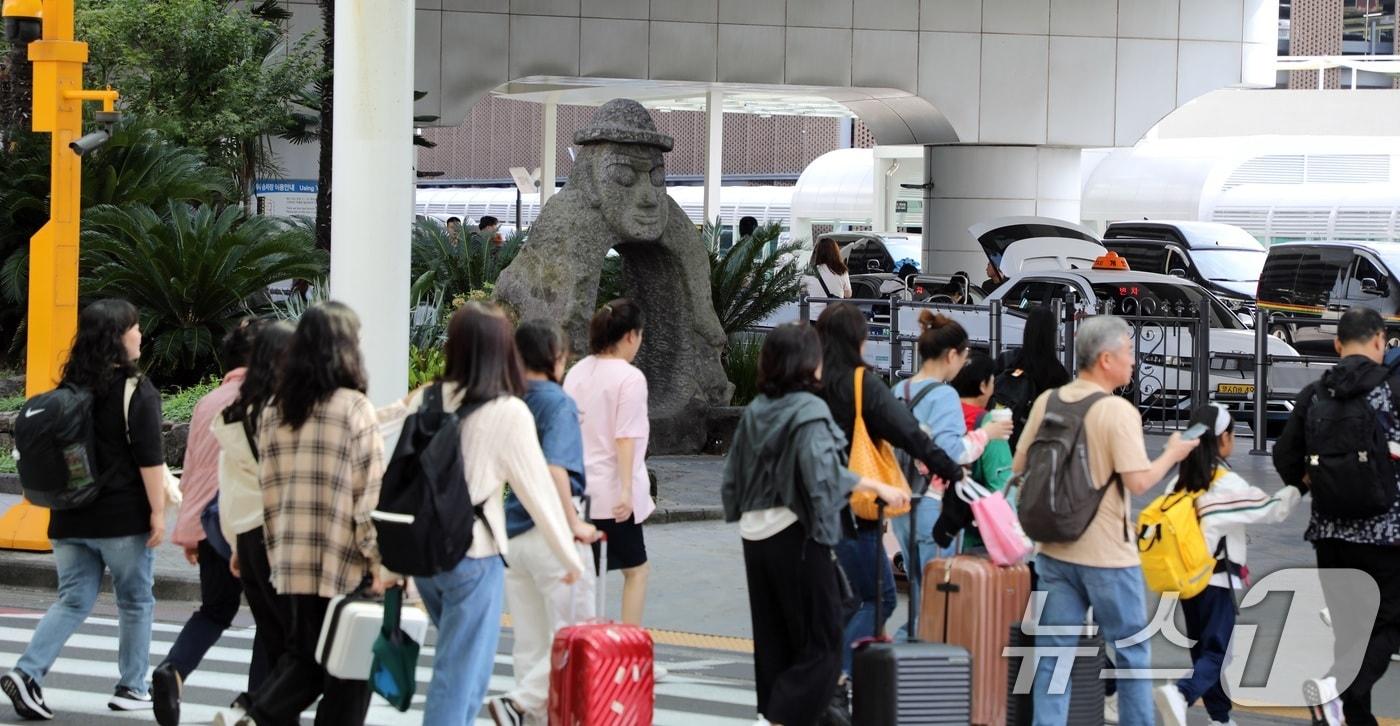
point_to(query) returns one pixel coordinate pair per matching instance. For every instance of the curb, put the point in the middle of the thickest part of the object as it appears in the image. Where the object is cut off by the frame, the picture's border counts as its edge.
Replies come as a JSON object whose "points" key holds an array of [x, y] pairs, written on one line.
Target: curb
{"points": [[673, 515], [36, 570]]}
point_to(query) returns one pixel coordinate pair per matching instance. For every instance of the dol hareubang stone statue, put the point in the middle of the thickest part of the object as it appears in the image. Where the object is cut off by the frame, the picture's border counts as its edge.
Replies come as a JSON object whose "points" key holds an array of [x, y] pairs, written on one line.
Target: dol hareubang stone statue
{"points": [[616, 199]]}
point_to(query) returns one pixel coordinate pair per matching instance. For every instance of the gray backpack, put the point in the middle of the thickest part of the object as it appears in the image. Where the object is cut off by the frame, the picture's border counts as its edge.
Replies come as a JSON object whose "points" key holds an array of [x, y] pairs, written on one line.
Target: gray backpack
{"points": [[1058, 498]]}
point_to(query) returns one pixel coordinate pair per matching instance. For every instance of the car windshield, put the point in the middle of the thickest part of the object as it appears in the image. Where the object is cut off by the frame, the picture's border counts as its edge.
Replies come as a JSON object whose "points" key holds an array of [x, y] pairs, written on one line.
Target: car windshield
{"points": [[1160, 299], [1230, 265]]}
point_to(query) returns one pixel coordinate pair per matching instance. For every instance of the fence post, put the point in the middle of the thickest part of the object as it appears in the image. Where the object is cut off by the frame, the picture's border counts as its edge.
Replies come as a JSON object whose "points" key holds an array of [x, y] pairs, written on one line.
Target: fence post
{"points": [[1200, 371], [1261, 392], [896, 345], [804, 309], [1070, 324], [994, 329]]}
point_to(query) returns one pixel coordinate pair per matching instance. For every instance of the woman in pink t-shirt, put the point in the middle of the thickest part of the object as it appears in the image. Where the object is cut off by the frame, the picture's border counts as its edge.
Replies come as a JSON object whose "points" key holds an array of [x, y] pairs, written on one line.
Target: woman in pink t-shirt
{"points": [[612, 401]]}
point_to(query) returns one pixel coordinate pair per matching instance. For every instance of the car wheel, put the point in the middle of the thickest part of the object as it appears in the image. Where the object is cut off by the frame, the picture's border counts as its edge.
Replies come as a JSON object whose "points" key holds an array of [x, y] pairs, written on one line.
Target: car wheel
{"points": [[1282, 333]]}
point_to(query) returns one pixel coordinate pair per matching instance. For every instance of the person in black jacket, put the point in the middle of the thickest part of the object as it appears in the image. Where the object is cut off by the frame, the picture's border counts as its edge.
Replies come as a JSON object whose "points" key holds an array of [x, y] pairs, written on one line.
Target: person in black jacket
{"points": [[843, 330], [1026, 372], [1367, 543]]}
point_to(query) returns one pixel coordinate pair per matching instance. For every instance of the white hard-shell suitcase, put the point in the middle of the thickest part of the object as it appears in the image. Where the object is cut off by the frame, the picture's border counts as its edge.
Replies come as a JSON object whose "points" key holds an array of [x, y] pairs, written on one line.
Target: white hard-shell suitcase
{"points": [[352, 624]]}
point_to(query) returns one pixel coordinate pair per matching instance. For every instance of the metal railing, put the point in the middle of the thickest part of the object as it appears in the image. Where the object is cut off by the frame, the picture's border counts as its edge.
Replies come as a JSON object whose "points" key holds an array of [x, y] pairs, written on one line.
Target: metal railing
{"points": [[1173, 352]]}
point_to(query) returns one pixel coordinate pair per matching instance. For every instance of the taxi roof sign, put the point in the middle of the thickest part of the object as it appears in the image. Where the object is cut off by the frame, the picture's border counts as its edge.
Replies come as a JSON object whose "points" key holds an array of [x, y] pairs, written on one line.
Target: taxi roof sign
{"points": [[1111, 261]]}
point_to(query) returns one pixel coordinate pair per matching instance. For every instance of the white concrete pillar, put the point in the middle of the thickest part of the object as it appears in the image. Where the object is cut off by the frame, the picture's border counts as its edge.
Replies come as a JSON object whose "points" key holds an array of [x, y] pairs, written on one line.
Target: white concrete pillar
{"points": [[548, 137], [714, 153], [373, 184], [977, 183], [881, 214]]}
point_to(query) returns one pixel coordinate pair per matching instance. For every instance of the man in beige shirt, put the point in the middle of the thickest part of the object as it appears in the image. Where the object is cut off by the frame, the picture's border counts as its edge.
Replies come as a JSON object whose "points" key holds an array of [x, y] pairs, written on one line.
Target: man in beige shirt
{"points": [[1101, 569]]}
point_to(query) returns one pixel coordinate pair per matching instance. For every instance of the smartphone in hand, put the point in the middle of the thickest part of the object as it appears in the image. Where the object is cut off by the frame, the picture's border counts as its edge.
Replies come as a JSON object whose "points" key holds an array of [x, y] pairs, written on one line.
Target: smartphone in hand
{"points": [[1196, 431]]}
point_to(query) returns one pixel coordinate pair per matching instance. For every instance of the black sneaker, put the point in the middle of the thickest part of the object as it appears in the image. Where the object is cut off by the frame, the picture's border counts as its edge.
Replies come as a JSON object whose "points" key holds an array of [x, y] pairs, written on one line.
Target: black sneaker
{"points": [[125, 699], [838, 712], [26, 695], [504, 712], [165, 694]]}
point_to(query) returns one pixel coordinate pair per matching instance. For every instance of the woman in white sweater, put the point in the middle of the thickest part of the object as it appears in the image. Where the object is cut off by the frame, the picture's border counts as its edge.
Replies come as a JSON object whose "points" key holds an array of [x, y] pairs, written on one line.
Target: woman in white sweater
{"points": [[829, 277], [240, 496], [499, 445]]}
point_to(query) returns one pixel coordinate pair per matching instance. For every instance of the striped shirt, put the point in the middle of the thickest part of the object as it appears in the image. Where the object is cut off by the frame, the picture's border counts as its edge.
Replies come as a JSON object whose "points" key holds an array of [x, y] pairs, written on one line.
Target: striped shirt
{"points": [[319, 484]]}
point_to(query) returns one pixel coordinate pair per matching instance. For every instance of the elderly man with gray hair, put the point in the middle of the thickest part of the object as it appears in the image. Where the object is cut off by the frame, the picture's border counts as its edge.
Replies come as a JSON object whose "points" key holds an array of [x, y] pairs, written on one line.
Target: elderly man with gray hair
{"points": [[1101, 568]]}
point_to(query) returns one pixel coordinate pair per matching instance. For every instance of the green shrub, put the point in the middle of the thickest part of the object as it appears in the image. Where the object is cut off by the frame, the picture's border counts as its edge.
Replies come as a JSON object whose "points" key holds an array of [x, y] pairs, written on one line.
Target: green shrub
{"points": [[7, 464], [425, 365], [12, 403], [179, 405], [753, 278], [741, 366]]}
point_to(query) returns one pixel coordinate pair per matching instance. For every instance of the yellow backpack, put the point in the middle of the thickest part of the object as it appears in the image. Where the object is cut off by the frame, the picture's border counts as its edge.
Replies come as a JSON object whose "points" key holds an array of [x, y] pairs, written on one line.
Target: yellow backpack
{"points": [[1173, 547]]}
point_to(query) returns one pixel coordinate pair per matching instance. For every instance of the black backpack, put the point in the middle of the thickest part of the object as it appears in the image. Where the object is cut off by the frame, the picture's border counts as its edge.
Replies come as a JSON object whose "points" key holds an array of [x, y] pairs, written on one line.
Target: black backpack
{"points": [[57, 449], [425, 515], [1058, 496], [1350, 472], [1014, 390], [918, 483]]}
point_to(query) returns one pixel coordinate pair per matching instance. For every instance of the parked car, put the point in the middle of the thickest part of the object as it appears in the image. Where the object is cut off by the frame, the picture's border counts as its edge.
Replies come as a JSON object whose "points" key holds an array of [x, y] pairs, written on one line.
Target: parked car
{"points": [[1320, 280], [944, 289], [1164, 371], [1221, 258]]}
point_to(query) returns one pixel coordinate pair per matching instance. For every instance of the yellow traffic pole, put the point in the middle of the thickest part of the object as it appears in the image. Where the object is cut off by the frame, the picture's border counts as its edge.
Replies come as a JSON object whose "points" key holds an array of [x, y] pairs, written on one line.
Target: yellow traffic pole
{"points": [[58, 62]]}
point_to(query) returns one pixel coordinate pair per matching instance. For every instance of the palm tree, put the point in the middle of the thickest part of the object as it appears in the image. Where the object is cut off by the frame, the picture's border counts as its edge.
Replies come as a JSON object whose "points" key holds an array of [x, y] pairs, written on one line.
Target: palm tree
{"points": [[753, 278], [193, 272]]}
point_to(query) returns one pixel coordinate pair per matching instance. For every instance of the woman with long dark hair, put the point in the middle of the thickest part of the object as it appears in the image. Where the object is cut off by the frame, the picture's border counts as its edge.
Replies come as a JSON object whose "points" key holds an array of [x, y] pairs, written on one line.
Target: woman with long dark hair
{"points": [[1226, 505], [240, 495], [320, 460], [118, 530], [540, 602], [612, 398], [829, 276], [785, 483], [1026, 372], [499, 446], [843, 330]]}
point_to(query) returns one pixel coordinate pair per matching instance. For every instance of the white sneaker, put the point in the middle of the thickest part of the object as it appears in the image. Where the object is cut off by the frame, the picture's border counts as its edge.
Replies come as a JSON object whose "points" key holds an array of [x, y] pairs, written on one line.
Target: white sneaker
{"points": [[1326, 616], [232, 716], [659, 673], [125, 699], [1110, 709], [1231, 722], [504, 712], [1324, 705], [1171, 705]]}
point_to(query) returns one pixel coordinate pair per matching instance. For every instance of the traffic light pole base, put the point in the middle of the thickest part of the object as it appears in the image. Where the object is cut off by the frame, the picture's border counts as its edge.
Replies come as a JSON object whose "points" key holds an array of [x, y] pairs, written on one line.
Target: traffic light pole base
{"points": [[25, 527]]}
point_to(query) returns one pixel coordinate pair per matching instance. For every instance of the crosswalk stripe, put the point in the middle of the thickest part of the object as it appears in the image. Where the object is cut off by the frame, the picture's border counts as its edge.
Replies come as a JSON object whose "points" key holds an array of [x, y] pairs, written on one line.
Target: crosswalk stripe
{"points": [[82, 677]]}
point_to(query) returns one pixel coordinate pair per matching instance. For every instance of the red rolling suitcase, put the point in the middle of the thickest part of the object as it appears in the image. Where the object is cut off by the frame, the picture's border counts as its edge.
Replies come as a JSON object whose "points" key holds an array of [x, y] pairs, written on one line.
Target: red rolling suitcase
{"points": [[601, 672]]}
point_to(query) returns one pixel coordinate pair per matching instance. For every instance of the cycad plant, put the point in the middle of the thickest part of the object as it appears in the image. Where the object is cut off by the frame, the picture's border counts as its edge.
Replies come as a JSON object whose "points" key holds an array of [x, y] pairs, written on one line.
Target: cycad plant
{"points": [[452, 269], [193, 272], [753, 278]]}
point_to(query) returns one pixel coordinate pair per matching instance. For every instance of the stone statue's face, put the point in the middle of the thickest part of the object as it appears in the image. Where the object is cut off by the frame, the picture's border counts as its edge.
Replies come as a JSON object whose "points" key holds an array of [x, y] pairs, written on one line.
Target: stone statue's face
{"points": [[631, 184]]}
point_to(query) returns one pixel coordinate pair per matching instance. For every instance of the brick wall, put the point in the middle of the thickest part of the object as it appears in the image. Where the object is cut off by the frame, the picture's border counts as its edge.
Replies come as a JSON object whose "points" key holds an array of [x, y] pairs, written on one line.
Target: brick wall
{"points": [[1316, 29], [500, 133]]}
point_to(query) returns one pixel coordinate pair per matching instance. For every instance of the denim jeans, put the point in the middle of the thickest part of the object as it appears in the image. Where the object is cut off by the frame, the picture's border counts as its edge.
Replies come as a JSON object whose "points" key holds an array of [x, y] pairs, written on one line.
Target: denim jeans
{"points": [[926, 514], [1210, 619], [80, 564], [1120, 611], [863, 560], [465, 605]]}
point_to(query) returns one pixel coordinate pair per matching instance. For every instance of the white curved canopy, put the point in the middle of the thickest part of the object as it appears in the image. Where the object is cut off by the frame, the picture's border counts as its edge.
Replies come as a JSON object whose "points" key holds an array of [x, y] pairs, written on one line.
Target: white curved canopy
{"points": [[839, 186]]}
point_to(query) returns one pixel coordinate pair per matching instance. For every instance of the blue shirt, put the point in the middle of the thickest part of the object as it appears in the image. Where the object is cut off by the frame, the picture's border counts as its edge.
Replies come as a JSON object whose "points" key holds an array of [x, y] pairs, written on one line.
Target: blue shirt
{"points": [[556, 423], [939, 413]]}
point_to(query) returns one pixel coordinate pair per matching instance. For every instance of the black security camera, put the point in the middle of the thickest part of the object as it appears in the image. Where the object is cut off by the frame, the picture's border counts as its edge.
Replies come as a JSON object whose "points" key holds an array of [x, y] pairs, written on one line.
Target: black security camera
{"points": [[90, 142]]}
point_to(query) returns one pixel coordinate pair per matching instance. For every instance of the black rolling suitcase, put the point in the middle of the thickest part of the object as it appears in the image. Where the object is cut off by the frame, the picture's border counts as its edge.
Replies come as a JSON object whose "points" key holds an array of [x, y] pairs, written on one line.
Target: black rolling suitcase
{"points": [[1086, 693], [908, 684]]}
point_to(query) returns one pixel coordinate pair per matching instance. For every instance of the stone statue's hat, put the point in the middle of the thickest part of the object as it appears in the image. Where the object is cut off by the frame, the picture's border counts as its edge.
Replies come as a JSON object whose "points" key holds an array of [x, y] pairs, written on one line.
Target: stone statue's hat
{"points": [[623, 121]]}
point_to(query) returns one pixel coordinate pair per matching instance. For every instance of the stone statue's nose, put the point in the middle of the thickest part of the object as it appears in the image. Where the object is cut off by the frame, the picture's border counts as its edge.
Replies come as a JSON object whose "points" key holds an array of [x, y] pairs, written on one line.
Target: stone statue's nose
{"points": [[651, 197]]}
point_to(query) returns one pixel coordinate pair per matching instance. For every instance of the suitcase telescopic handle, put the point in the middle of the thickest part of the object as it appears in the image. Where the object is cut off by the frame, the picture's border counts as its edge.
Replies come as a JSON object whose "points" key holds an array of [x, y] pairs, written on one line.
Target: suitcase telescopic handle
{"points": [[879, 553], [601, 572]]}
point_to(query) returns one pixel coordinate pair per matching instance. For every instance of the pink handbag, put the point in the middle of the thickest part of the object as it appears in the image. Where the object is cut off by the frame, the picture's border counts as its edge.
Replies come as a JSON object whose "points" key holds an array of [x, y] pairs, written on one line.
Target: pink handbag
{"points": [[1006, 543]]}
